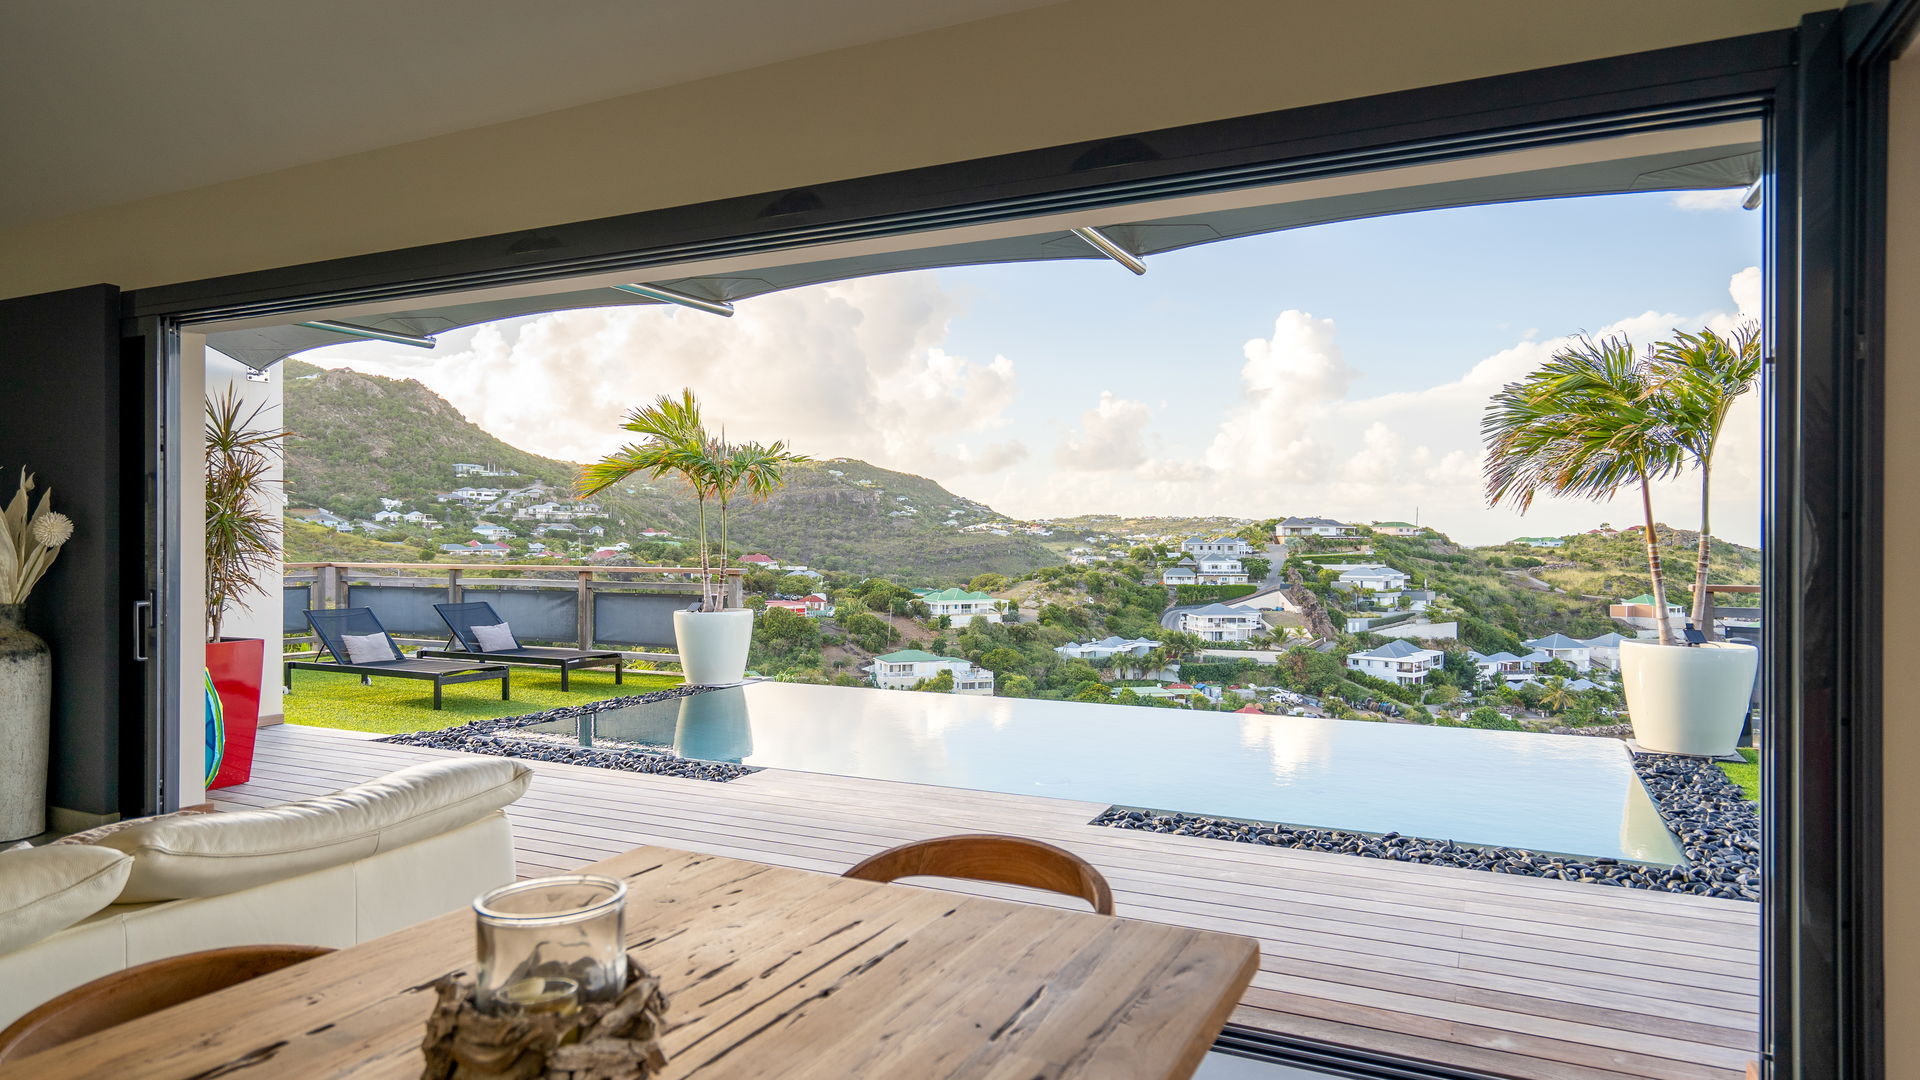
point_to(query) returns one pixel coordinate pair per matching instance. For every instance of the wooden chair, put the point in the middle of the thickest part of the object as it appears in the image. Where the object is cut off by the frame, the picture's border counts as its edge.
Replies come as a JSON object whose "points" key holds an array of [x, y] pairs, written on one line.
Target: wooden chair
{"points": [[146, 988], [1009, 860]]}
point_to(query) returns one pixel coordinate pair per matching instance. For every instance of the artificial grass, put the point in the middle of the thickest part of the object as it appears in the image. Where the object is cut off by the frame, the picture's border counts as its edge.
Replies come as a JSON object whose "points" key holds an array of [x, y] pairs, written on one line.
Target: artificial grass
{"points": [[1747, 775], [393, 706]]}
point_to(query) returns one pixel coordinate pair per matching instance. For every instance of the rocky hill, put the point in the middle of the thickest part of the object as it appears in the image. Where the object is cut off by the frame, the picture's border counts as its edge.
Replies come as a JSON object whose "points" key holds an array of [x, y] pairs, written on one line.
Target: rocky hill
{"points": [[366, 437]]}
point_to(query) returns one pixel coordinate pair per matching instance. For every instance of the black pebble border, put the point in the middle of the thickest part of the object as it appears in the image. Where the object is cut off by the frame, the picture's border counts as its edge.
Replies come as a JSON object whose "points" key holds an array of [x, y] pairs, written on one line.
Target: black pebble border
{"points": [[478, 737], [1717, 828]]}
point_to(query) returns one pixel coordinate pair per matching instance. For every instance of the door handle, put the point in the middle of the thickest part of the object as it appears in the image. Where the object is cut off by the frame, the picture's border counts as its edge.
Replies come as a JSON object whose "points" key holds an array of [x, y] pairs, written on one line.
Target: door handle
{"points": [[142, 622]]}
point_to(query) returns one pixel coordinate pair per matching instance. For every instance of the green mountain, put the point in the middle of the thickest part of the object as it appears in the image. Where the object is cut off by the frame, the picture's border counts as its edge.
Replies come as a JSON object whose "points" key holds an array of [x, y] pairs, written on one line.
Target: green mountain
{"points": [[365, 437]]}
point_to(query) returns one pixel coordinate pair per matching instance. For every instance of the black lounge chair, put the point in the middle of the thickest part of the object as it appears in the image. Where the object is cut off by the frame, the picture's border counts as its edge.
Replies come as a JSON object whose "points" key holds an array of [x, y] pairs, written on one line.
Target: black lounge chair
{"points": [[334, 625], [462, 618]]}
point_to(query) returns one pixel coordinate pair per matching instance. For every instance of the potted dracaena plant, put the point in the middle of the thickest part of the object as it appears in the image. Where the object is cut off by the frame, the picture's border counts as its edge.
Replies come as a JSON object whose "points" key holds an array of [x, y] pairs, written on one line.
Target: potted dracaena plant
{"points": [[1599, 417], [713, 639], [30, 539], [243, 526]]}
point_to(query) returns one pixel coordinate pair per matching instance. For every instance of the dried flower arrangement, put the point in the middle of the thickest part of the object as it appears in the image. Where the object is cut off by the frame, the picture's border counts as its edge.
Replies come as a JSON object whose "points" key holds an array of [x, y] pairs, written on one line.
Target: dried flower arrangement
{"points": [[29, 542]]}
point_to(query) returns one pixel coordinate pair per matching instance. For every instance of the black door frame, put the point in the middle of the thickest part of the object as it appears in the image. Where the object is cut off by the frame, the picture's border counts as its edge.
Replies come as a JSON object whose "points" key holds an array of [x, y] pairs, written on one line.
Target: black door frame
{"points": [[1822, 904]]}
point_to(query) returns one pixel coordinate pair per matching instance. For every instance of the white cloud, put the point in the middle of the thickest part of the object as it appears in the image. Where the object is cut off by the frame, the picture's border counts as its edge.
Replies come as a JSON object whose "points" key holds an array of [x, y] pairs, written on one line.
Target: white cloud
{"points": [[1714, 199], [1110, 436], [852, 369]]}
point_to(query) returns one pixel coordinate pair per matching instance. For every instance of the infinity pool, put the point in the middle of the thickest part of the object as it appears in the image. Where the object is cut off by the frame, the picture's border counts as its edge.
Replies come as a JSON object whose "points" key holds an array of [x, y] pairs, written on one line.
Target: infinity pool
{"points": [[1553, 793]]}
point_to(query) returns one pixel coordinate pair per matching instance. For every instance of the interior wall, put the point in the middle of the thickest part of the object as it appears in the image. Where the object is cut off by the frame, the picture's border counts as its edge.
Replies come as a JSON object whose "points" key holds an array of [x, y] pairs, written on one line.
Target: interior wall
{"points": [[1901, 736], [1068, 72], [258, 616]]}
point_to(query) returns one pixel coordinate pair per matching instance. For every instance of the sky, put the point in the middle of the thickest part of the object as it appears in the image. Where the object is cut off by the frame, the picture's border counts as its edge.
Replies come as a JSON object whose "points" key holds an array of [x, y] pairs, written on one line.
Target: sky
{"points": [[1338, 370]]}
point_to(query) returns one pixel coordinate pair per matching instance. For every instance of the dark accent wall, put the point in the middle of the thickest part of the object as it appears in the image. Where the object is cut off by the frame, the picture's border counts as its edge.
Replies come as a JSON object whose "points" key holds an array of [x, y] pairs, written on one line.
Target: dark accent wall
{"points": [[61, 415]]}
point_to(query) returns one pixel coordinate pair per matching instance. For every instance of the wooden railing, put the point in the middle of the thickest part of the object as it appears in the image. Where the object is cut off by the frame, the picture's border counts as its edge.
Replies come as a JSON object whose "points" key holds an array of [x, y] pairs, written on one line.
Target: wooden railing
{"points": [[330, 585], [1726, 611]]}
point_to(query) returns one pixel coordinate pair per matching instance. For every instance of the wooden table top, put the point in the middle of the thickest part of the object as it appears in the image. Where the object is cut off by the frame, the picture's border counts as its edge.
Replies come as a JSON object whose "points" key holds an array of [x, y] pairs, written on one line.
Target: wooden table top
{"points": [[772, 972]]}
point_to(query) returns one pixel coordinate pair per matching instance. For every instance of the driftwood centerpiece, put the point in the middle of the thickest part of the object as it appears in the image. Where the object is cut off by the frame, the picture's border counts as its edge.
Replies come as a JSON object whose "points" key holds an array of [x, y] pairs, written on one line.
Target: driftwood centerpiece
{"points": [[616, 1040]]}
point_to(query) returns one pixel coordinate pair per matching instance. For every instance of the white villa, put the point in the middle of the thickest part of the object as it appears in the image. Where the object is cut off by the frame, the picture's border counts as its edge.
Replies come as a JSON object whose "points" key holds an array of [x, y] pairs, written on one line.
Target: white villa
{"points": [[1219, 545], [468, 468], [492, 531], [469, 495], [386, 517], [1380, 579], [1106, 648], [1402, 661], [1396, 528], [961, 606], [1274, 599], [1605, 650], [1538, 541], [908, 668], [1313, 526], [1218, 622], [1205, 570], [553, 511], [1561, 647]]}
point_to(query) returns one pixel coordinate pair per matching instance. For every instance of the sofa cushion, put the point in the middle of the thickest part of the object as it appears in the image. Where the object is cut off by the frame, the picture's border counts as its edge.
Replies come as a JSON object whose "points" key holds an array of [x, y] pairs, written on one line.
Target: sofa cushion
{"points": [[48, 889], [210, 854]]}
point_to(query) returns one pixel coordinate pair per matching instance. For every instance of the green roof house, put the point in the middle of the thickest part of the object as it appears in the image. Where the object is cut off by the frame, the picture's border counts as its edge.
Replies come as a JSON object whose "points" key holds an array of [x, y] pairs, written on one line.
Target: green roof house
{"points": [[961, 606]]}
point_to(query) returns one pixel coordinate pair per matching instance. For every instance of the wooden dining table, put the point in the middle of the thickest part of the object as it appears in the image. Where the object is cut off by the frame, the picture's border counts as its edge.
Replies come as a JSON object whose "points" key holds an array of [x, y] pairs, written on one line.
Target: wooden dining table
{"points": [[772, 972]]}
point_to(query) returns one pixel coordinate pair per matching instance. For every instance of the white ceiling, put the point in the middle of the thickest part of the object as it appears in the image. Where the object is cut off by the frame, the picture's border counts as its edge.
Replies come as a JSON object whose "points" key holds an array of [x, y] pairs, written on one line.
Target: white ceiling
{"points": [[106, 101]]}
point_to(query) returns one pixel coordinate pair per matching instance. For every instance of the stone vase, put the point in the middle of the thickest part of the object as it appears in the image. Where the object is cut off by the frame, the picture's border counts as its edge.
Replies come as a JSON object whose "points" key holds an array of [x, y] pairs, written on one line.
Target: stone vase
{"points": [[26, 697]]}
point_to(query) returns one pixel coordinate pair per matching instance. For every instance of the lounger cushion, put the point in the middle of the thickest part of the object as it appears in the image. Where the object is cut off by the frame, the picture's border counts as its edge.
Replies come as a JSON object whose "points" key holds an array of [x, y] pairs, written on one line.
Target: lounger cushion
{"points": [[496, 638], [211, 854], [45, 890], [368, 648]]}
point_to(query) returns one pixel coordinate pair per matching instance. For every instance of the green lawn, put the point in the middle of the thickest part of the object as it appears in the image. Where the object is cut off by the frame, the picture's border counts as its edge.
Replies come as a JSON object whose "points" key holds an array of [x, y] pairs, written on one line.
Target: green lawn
{"points": [[392, 706], [1747, 775]]}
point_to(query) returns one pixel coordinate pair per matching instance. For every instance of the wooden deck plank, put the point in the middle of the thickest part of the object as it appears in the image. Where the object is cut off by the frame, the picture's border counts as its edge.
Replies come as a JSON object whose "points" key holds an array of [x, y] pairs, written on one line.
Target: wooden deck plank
{"points": [[1522, 976]]}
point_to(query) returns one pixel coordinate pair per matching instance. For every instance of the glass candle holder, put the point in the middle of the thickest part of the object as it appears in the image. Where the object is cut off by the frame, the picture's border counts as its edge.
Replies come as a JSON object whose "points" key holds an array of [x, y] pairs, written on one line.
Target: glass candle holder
{"points": [[551, 944]]}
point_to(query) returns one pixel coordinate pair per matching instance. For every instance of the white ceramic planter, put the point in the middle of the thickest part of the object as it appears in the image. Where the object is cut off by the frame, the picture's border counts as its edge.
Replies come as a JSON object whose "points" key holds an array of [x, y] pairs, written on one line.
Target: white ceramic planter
{"points": [[713, 645], [1688, 700]]}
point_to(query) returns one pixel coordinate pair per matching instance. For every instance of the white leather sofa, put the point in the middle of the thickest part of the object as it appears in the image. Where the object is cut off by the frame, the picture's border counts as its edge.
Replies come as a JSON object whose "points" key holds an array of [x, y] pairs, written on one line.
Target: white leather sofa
{"points": [[335, 870]]}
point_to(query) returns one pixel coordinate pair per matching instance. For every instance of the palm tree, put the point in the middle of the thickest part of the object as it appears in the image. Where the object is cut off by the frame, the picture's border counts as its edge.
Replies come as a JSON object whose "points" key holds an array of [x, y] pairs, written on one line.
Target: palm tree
{"points": [[674, 441], [1558, 698], [1701, 376], [1586, 423]]}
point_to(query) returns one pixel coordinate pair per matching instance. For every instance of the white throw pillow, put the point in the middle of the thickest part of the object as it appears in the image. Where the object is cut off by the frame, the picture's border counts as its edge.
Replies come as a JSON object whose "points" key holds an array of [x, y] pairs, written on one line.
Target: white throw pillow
{"points": [[45, 890], [211, 854], [368, 648], [495, 638]]}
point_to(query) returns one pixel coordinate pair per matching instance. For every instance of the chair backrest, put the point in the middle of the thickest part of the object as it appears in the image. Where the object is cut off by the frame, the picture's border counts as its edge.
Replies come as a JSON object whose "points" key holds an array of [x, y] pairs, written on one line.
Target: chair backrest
{"points": [[1010, 860], [147, 988], [461, 618], [331, 624]]}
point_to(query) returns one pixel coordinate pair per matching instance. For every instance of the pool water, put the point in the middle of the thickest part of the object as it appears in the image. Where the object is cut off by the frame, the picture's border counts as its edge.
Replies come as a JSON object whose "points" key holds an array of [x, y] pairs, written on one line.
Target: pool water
{"points": [[1550, 793]]}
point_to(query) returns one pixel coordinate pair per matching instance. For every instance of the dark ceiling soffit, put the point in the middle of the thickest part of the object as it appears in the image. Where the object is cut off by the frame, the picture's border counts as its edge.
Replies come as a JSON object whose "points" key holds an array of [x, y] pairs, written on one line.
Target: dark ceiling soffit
{"points": [[1431, 123], [1731, 165]]}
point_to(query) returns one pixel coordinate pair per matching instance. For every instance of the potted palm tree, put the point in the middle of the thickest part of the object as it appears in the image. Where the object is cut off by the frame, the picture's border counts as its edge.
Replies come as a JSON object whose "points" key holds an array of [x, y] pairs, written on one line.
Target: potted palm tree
{"points": [[1598, 417], [243, 524], [713, 640]]}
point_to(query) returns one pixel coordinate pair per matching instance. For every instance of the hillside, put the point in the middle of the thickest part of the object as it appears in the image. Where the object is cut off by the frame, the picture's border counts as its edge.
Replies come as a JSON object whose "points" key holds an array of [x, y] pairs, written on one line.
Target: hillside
{"points": [[365, 437]]}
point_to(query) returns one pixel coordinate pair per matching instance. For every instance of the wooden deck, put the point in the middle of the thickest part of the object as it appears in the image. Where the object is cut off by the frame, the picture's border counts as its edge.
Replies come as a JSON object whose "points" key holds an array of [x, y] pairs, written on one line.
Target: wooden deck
{"points": [[1514, 976]]}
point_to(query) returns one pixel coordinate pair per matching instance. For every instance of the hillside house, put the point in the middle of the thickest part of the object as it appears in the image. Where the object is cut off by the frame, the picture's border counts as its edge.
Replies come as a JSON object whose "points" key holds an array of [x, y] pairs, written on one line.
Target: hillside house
{"points": [[1400, 661], [1397, 528], [1605, 650], [1206, 570], [1219, 622], [468, 468], [1106, 648], [470, 495], [1501, 665], [1230, 546], [475, 547], [961, 606], [1563, 648], [491, 531], [1312, 526], [811, 605], [1538, 541], [1384, 582], [387, 517], [1640, 612], [323, 518], [907, 668], [759, 562], [652, 533], [1274, 599], [415, 517]]}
